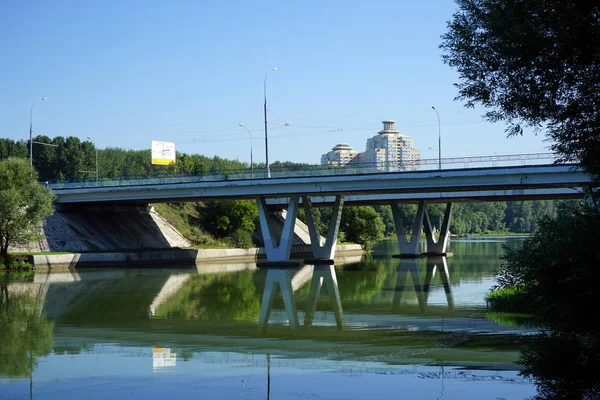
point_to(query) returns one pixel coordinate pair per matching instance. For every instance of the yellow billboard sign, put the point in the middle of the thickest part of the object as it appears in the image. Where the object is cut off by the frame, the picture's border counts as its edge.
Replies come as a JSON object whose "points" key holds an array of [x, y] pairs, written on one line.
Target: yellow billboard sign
{"points": [[163, 153]]}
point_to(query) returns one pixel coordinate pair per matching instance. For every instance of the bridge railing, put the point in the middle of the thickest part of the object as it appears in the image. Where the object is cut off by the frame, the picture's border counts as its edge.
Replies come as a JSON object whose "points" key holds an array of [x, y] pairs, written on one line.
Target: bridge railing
{"points": [[352, 168]]}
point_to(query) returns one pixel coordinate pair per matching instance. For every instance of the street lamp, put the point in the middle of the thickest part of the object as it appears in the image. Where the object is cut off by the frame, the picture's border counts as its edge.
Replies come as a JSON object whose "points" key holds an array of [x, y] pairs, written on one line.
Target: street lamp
{"points": [[439, 139], [91, 140], [31, 130], [266, 136], [251, 163]]}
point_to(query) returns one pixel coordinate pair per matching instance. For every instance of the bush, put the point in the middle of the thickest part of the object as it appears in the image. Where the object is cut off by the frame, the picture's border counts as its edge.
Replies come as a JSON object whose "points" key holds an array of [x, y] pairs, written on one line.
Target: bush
{"points": [[242, 239], [559, 266]]}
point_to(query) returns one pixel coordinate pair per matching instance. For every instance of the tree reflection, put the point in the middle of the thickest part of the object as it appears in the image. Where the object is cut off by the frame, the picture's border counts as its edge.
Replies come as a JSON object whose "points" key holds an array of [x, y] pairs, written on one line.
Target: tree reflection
{"points": [[25, 333], [564, 365], [218, 297], [361, 281]]}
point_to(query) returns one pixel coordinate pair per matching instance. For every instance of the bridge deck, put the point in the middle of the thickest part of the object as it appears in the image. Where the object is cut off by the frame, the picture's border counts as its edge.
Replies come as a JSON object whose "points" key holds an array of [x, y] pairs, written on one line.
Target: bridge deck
{"points": [[491, 183]]}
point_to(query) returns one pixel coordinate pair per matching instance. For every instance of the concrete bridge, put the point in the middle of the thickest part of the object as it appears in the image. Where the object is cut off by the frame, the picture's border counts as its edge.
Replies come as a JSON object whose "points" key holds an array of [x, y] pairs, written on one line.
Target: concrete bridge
{"points": [[555, 181]]}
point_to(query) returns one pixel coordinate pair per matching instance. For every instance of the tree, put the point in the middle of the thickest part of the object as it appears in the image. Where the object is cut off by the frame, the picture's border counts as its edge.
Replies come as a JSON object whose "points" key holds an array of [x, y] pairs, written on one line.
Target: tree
{"points": [[537, 63], [362, 225], [225, 217], [24, 203], [532, 63]]}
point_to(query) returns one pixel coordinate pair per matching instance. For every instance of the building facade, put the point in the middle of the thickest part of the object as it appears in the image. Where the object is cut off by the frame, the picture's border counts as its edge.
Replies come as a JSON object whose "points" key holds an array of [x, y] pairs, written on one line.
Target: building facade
{"points": [[340, 155], [389, 150]]}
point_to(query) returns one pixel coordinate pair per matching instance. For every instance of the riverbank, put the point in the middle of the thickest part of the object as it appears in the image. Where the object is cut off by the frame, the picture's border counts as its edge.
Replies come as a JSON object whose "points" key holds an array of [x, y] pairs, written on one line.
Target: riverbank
{"points": [[167, 257]]}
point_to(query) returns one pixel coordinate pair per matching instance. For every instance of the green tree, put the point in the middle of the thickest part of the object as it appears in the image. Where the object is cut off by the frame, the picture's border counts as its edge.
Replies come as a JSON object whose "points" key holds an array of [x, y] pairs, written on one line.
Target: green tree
{"points": [[537, 63], [385, 212], [362, 225], [225, 217], [24, 203], [532, 63]]}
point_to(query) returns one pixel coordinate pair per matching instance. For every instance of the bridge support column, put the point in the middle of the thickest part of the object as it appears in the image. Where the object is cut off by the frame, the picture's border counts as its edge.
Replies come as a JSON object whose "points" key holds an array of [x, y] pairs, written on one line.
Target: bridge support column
{"points": [[409, 248], [323, 251], [438, 247], [278, 251]]}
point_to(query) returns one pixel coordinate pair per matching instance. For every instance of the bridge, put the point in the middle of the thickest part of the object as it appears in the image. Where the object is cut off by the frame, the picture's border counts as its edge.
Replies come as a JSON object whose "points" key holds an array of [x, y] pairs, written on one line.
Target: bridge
{"points": [[336, 187]]}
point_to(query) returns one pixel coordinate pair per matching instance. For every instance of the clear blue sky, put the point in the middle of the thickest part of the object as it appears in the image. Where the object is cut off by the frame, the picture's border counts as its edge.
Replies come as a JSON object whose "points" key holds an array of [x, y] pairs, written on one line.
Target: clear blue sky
{"points": [[128, 72]]}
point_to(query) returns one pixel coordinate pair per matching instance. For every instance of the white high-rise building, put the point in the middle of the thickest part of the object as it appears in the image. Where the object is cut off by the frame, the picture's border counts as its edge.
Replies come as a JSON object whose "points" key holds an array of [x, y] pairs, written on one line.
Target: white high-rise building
{"points": [[339, 155], [389, 150]]}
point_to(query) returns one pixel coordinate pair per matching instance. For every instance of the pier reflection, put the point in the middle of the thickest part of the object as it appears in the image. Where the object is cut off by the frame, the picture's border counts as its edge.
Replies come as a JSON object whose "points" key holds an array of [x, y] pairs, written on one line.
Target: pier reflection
{"points": [[358, 282], [422, 288], [289, 281]]}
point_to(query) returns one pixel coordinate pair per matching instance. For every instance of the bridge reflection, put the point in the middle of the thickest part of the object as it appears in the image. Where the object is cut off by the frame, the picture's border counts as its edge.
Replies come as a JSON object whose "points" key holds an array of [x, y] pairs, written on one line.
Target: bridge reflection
{"points": [[323, 278], [435, 264], [289, 283]]}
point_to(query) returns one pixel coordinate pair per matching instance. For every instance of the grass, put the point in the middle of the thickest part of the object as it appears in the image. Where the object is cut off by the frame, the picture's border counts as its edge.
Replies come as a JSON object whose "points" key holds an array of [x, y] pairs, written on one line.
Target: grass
{"points": [[518, 320], [186, 219], [509, 299], [16, 262]]}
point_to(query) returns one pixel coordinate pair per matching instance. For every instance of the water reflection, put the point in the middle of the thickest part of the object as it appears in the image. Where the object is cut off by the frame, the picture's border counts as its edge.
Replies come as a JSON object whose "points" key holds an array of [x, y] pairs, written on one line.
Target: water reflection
{"points": [[422, 288], [163, 358], [25, 333], [359, 317], [289, 281]]}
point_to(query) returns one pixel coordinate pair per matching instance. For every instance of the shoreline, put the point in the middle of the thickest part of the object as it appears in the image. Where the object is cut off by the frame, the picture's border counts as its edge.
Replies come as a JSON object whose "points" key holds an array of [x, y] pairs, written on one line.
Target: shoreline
{"points": [[173, 257]]}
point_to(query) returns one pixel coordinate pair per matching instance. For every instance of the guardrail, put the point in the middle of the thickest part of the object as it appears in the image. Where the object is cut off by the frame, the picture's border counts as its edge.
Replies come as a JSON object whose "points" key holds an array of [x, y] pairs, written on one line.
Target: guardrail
{"points": [[495, 160]]}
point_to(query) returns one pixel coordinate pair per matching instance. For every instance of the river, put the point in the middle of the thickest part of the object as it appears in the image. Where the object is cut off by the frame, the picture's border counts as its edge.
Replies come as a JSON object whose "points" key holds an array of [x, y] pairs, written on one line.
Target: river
{"points": [[373, 327]]}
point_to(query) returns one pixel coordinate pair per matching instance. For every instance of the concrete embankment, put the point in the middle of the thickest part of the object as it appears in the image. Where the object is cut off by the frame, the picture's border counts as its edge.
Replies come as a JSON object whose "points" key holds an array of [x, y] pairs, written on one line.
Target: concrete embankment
{"points": [[131, 235], [170, 257]]}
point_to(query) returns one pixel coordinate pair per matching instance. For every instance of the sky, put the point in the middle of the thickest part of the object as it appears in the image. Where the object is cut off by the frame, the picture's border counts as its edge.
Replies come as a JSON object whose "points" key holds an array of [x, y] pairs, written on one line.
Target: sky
{"points": [[125, 73]]}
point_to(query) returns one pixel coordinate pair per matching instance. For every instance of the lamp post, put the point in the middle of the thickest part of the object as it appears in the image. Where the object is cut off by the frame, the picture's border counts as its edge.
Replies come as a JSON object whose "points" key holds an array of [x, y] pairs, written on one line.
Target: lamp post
{"points": [[31, 130], [251, 162], [266, 136], [439, 139], [91, 140]]}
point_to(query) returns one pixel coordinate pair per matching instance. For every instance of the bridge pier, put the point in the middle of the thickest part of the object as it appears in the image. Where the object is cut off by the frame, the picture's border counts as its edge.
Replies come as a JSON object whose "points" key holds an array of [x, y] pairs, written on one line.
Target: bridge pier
{"points": [[438, 247], [323, 251], [278, 250], [411, 247]]}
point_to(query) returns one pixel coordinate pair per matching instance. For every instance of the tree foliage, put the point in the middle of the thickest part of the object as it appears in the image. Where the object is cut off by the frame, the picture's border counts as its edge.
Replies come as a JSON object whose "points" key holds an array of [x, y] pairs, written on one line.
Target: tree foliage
{"points": [[532, 63], [234, 218], [23, 203], [559, 268], [362, 225]]}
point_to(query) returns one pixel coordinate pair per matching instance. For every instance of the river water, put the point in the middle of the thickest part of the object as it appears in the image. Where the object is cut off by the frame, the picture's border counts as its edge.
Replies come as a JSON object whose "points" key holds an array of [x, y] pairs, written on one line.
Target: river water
{"points": [[371, 327]]}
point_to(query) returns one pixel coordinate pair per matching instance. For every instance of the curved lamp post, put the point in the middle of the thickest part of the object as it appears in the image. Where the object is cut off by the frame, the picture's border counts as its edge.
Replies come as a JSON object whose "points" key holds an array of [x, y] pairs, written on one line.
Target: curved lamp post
{"points": [[251, 162], [439, 139], [31, 130], [268, 171]]}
